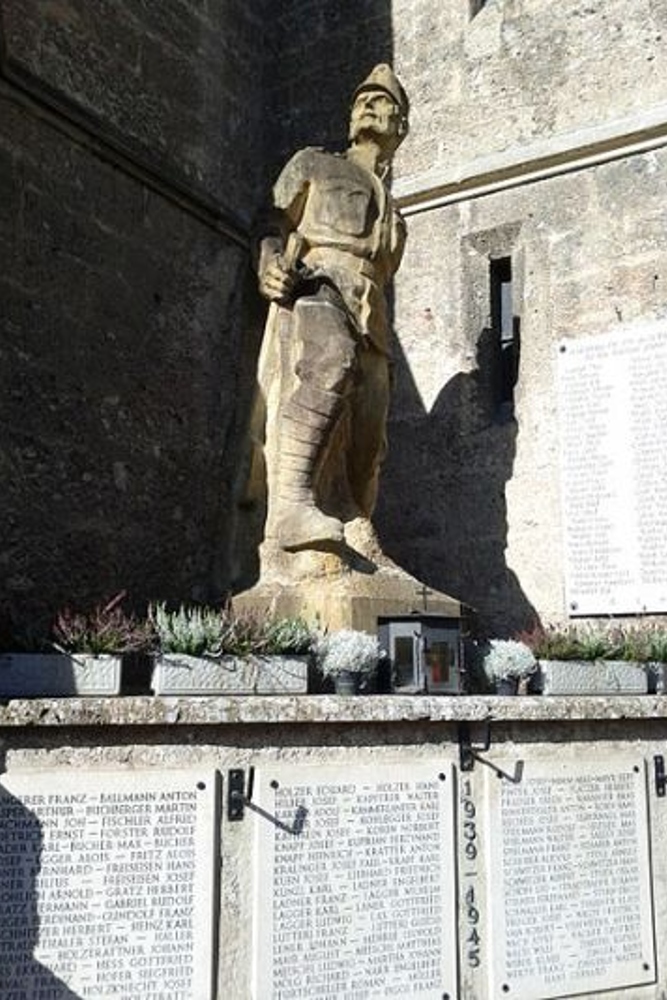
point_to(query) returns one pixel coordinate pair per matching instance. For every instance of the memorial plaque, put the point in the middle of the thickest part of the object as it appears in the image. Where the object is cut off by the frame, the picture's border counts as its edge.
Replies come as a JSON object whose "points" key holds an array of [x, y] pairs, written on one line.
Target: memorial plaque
{"points": [[109, 880], [355, 883], [569, 879], [613, 417]]}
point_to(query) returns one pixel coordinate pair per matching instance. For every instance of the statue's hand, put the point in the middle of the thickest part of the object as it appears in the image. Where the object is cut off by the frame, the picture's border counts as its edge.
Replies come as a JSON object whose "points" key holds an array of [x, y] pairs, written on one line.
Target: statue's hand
{"points": [[277, 283]]}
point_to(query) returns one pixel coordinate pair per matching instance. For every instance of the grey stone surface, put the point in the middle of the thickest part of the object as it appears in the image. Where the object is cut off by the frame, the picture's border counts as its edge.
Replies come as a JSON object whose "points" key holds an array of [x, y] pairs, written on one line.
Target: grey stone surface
{"points": [[585, 252], [176, 674], [109, 877], [171, 79], [571, 677], [56, 675], [355, 882], [324, 709], [582, 730], [120, 313], [493, 95], [523, 72], [569, 872]]}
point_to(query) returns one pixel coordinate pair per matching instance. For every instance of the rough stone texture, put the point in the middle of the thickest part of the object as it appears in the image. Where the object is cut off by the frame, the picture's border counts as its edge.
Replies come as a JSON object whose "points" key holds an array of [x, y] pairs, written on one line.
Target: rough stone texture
{"points": [[587, 254], [172, 79], [470, 498], [178, 674], [127, 368], [120, 367], [48, 675], [522, 71], [127, 373], [323, 48], [323, 376], [574, 729], [563, 677], [318, 709]]}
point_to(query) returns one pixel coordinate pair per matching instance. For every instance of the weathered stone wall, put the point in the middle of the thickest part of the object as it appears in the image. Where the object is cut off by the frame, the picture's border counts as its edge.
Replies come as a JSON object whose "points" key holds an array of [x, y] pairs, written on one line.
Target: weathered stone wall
{"points": [[472, 497], [180, 81], [322, 50], [538, 133], [138, 142], [131, 146], [155, 736], [522, 71]]}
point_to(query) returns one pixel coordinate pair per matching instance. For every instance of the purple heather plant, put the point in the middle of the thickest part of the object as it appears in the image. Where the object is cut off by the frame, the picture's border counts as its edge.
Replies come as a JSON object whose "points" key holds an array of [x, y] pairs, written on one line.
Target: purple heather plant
{"points": [[106, 629]]}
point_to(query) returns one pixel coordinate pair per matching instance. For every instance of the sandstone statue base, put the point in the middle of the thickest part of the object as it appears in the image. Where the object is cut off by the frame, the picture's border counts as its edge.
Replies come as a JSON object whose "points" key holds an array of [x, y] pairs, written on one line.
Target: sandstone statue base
{"points": [[346, 589]]}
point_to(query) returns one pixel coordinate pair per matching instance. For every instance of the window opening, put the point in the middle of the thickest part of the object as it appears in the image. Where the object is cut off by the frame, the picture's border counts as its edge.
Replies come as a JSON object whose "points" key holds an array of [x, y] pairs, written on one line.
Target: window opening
{"points": [[476, 6], [505, 327]]}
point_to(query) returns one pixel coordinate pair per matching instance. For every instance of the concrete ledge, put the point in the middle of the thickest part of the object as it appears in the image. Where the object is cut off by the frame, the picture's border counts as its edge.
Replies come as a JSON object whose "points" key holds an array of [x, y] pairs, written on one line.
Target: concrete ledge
{"points": [[277, 710], [534, 161]]}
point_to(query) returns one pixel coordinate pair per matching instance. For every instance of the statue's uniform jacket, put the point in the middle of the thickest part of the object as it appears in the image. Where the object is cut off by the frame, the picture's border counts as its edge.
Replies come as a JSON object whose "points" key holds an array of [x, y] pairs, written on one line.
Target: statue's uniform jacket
{"points": [[350, 238], [352, 232]]}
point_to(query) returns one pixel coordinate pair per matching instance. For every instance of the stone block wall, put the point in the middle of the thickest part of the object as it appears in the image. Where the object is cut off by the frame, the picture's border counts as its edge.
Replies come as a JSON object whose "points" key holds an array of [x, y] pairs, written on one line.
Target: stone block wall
{"points": [[520, 72], [538, 134], [472, 496], [130, 156], [568, 866], [322, 49], [137, 145]]}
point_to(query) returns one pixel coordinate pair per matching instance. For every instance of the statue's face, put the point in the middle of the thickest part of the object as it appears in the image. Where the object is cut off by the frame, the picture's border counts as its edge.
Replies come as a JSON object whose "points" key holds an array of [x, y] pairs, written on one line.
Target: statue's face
{"points": [[376, 114]]}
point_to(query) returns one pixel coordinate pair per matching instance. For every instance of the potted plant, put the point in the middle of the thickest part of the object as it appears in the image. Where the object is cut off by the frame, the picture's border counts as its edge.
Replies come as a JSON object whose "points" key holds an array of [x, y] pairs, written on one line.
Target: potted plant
{"points": [[588, 658], [508, 665], [89, 649], [656, 660], [213, 651], [348, 657]]}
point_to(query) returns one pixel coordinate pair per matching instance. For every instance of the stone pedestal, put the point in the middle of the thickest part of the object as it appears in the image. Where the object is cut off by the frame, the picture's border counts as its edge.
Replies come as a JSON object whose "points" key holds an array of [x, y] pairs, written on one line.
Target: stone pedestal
{"points": [[347, 589]]}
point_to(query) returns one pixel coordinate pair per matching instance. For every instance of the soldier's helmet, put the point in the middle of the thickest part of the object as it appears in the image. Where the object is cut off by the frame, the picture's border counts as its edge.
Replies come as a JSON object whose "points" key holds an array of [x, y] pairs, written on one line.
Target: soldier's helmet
{"points": [[382, 77]]}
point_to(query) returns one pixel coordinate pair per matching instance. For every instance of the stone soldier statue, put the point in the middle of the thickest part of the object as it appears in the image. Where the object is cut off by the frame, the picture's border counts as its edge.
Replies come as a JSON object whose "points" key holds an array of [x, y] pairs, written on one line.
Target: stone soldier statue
{"points": [[333, 244]]}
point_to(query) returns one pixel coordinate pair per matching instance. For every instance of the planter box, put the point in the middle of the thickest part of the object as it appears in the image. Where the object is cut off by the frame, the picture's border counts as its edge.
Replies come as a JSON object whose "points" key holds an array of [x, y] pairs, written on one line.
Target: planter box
{"points": [[175, 674], [559, 677], [56, 675], [657, 677]]}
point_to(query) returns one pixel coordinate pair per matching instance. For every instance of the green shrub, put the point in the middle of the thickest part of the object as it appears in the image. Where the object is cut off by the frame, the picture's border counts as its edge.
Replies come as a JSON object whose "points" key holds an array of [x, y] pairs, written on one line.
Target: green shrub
{"points": [[214, 632], [641, 642]]}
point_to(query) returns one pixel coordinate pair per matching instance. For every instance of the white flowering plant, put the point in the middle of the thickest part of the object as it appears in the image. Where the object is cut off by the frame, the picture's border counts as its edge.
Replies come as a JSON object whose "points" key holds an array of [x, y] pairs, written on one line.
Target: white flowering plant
{"points": [[216, 632], [506, 658], [347, 650], [192, 631]]}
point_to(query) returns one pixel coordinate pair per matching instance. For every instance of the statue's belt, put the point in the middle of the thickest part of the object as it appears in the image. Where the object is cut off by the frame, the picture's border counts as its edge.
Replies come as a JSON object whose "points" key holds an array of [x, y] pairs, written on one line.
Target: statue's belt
{"points": [[342, 260]]}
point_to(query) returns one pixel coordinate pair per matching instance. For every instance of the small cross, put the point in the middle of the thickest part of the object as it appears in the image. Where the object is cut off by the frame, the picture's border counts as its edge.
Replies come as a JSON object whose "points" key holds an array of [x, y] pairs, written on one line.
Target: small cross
{"points": [[424, 592]]}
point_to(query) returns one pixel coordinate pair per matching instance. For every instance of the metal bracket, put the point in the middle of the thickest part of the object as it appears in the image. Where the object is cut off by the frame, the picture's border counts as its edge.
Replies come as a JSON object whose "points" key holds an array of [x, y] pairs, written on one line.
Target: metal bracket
{"points": [[467, 753], [660, 777], [238, 795]]}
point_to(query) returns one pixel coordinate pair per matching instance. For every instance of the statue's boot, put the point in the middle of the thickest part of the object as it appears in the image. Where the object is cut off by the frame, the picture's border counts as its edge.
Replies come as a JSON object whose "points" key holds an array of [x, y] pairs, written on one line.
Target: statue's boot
{"points": [[300, 524]]}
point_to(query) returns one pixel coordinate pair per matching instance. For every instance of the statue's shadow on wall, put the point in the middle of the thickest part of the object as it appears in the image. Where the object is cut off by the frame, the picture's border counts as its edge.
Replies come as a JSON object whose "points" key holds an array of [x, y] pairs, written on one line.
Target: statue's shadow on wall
{"points": [[21, 974], [442, 510]]}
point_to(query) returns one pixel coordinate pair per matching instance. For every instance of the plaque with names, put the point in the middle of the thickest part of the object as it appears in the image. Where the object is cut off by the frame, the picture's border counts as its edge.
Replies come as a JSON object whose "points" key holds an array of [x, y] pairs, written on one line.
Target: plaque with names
{"points": [[569, 880], [612, 391], [355, 883], [107, 884]]}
